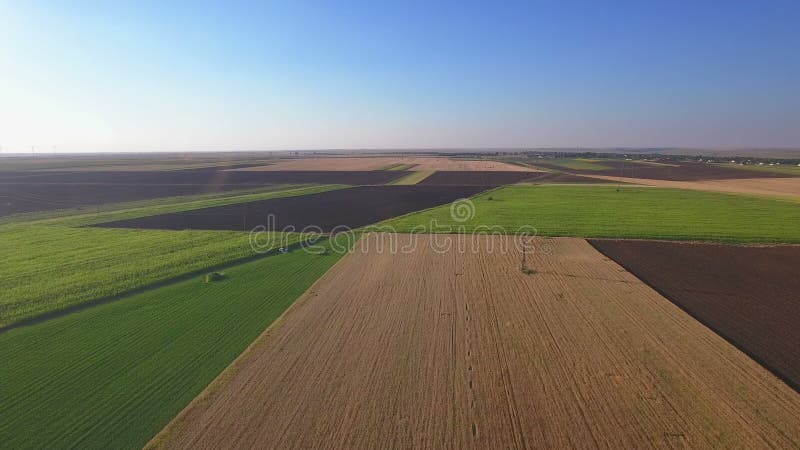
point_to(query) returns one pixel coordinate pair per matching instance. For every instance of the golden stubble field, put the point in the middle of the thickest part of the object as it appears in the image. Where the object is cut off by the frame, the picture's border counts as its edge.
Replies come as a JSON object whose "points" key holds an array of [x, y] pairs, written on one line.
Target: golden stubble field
{"points": [[416, 163], [788, 188], [443, 350]]}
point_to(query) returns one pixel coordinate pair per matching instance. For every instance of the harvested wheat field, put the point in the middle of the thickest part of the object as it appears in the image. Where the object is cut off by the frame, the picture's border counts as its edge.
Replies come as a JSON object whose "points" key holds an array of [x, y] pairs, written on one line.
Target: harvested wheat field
{"points": [[416, 163], [478, 354], [675, 170], [788, 188]]}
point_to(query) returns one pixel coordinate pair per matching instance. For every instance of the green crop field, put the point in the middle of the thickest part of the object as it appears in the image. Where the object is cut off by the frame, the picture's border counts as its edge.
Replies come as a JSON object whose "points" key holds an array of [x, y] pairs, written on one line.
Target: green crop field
{"points": [[49, 268], [51, 264], [113, 375], [628, 212]]}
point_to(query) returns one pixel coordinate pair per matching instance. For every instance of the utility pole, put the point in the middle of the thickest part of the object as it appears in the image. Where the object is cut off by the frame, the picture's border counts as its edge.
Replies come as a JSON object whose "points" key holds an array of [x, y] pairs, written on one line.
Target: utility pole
{"points": [[524, 268]]}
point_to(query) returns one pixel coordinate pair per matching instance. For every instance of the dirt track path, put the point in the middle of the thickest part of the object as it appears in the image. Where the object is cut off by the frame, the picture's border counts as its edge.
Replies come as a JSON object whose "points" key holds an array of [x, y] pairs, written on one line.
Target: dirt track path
{"points": [[430, 350]]}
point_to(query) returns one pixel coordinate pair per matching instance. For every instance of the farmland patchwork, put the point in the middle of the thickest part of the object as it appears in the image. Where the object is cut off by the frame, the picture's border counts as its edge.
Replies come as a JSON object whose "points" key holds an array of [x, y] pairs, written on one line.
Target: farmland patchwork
{"points": [[111, 376], [749, 295], [478, 354], [353, 208], [156, 306]]}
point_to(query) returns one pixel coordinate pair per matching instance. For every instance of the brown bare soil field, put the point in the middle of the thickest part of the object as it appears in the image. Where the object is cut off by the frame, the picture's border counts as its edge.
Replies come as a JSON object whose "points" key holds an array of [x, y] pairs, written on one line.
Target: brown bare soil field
{"points": [[770, 187], [675, 171], [22, 192], [23, 198], [351, 207], [420, 163], [476, 178], [205, 176], [749, 295], [472, 353]]}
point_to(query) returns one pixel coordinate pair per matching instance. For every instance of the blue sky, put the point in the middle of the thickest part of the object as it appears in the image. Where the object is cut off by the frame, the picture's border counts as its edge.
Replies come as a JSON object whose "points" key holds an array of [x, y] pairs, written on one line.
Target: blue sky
{"points": [[147, 76]]}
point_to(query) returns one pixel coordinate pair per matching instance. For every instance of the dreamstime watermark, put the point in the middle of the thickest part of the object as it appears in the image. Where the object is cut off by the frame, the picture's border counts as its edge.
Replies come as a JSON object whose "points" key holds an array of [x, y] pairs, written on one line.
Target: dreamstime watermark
{"points": [[462, 210], [456, 235]]}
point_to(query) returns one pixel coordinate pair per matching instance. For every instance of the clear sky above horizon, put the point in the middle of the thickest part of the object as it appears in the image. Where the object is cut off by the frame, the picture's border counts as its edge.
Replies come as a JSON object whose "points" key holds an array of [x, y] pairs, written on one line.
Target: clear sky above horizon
{"points": [[147, 76]]}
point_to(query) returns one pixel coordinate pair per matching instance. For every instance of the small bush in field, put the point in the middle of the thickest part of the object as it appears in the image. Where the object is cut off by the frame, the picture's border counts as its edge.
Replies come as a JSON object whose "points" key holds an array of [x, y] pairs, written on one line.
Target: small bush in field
{"points": [[213, 276]]}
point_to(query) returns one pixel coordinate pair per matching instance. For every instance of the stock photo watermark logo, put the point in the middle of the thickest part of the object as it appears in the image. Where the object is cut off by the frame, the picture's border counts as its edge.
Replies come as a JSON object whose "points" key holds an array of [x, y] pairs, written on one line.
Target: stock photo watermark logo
{"points": [[462, 210], [454, 236]]}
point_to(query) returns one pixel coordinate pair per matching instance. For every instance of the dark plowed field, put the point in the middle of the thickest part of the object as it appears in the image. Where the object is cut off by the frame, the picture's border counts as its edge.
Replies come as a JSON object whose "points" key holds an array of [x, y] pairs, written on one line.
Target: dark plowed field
{"points": [[352, 207], [22, 192], [23, 198], [476, 178], [686, 171], [748, 295], [562, 178], [207, 177]]}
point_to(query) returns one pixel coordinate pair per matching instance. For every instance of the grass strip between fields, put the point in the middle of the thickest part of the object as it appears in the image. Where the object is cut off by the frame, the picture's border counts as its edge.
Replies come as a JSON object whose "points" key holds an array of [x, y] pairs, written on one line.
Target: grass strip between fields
{"points": [[113, 375], [618, 212], [413, 177], [127, 210], [398, 166], [51, 265]]}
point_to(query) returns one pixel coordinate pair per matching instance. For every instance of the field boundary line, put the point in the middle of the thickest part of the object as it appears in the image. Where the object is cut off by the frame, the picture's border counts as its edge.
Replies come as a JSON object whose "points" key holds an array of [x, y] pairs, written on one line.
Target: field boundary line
{"points": [[400, 175], [489, 189], [695, 242], [416, 176], [51, 315], [699, 186], [209, 393], [75, 214], [794, 386], [298, 190]]}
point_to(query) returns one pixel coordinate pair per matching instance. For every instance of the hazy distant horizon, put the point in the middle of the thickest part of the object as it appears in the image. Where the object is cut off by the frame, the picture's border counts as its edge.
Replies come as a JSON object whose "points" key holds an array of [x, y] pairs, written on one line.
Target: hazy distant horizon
{"points": [[205, 76], [777, 153]]}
